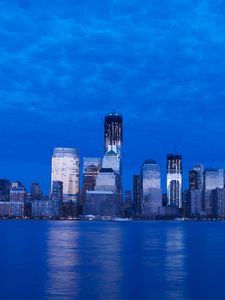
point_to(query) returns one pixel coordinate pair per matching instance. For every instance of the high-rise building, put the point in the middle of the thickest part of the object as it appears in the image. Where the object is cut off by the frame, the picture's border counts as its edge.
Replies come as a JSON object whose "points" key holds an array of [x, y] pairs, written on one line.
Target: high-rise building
{"points": [[174, 180], [137, 194], [106, 180], [128, 200], [91, 167], [113, 133], [196, 197], [103, 201], [66, 168], [35, 192], [128, 207], [17, 192], [214, 178], [196, 177], [57, 191], [111, 160], [186, 203], [218, 203], [193, 180], [4, 189], [199, 169], [151, 188]]}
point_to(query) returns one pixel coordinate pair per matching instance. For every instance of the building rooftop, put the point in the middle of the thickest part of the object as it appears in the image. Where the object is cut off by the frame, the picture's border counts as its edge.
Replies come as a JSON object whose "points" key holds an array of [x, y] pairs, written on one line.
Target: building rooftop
{"points": [[150, 161]]}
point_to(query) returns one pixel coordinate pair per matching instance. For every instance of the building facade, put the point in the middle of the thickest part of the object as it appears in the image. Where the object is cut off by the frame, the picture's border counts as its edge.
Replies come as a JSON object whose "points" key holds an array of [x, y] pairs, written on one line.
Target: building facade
{"points": [[151, 188], [174, 180], [35, 191], [4, 189], [66, 168], [113, 133], [214, 178], [137, 194], [17, 192], [103, 201], [91, 167]]}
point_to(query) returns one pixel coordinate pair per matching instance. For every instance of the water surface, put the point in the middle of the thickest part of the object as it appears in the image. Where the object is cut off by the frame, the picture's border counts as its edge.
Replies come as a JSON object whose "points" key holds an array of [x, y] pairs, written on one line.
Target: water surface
{"points": [[112, 260]]}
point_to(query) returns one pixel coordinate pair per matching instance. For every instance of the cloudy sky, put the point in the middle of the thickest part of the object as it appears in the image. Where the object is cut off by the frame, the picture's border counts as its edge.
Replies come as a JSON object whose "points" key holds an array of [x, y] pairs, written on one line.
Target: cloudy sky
{"points": [[65, 64]]}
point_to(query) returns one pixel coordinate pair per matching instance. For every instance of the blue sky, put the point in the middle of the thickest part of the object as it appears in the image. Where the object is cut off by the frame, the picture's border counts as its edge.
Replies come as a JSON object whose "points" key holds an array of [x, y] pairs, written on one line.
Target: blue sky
{"points": [[65, 64]]}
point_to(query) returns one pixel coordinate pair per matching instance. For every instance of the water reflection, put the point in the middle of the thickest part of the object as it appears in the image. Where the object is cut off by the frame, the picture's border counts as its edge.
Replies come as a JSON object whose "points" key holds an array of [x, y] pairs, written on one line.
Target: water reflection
{"points": [[62, 260], [114, 261], [102, 261], [83, 266], [175, 263]]}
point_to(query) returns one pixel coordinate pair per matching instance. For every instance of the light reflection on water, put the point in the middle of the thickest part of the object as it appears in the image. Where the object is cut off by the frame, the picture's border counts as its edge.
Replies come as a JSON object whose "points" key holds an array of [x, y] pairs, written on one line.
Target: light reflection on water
{"points": [[175, 271], [107, 260], [87, 265], [101, 261], [62, 260]]}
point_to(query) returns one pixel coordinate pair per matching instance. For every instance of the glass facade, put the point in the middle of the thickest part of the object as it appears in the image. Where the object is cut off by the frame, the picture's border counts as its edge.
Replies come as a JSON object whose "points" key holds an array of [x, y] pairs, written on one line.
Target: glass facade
{"points": [[91, 167], [4, 189], [174, 180], [137, 193], [214, 178], [199, 169], [193, 184], [106, 181], [113, 133], [35, 192], [66, 168], [151, 188]]}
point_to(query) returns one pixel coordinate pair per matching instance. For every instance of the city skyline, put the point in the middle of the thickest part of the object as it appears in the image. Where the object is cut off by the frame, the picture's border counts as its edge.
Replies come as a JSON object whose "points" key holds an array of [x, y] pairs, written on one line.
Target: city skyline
{"points": [[68, 165], [78, 165]]}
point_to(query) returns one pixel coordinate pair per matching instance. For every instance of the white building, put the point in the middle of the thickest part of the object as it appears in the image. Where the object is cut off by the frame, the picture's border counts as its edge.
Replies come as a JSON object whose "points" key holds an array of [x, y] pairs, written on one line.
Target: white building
{"points": [[111, 160], [66, 168]]}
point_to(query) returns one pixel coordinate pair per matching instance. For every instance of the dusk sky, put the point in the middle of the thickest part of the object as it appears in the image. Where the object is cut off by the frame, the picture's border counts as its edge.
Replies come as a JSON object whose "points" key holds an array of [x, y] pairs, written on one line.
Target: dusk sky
{"points": [[65, 64]]}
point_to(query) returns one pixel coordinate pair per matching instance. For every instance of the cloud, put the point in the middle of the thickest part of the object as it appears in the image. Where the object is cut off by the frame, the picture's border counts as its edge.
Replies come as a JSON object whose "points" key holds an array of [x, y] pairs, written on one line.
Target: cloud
{"points": [[63, 65]]}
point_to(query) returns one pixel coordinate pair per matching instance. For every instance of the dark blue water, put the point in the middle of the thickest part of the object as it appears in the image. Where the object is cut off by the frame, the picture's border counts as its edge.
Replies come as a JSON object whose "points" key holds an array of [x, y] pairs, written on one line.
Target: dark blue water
{"points": [[112, 260]]}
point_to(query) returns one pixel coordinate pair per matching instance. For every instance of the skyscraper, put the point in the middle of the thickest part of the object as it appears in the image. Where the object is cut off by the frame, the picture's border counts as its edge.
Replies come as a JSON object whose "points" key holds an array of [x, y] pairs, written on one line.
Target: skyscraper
{"points": [[35, 192], [113, 139], [137, 194], [91, 167], [151, 188], [4, 189], [199, 169], [66, 168], [174, 180], [193, 180], [113, 133], [57, 191], [17, 199], [214, 178], [103, 201], [17, 192]]}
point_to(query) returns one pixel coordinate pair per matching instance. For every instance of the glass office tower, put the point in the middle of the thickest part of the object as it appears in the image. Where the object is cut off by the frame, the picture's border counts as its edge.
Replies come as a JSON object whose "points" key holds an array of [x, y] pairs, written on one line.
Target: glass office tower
{"points": [[151, 188], [174, 180], [66, 168], [113, 133]]}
